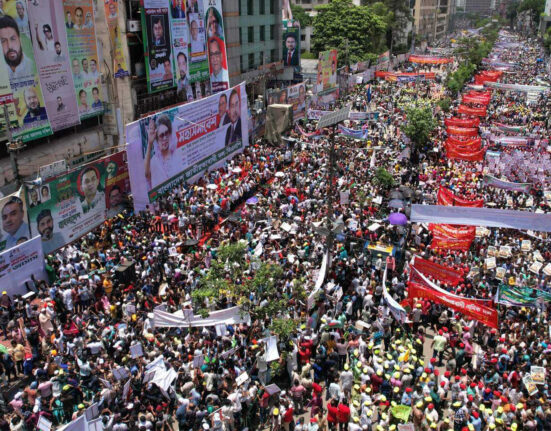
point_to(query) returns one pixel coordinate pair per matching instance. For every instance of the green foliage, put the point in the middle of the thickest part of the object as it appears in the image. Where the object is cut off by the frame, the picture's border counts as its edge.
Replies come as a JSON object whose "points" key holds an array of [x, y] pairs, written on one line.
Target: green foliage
{"points": [[536, 7], [355, 31], [457, 79], [383, 178], [420, 124], [307, 55], [301, 16], [283, 328], [547, 39], [444, 104]]}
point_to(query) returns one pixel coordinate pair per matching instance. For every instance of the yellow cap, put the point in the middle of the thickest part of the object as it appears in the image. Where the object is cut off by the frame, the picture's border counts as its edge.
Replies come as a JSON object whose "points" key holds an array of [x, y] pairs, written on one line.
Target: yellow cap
{"points": [[276, 411]]}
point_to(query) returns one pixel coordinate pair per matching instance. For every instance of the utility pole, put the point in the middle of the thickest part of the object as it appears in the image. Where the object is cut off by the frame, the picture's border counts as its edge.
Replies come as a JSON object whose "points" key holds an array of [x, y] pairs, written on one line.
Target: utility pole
{"points": [[13, 147]]}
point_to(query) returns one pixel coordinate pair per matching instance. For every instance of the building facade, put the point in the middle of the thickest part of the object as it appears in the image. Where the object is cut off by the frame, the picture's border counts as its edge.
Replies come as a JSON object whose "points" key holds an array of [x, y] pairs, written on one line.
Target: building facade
{"points": [[431, 18]]}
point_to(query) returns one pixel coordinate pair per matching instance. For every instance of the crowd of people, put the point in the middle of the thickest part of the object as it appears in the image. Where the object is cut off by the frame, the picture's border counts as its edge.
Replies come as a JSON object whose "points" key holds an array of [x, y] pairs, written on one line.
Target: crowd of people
{"points": [[88, 349]]}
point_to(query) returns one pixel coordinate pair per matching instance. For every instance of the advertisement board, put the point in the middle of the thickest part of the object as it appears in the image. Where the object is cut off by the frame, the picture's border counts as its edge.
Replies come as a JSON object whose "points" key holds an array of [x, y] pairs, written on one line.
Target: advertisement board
{"points": [[157, 45], [180, 47], [72, 204], [198, 60], [112, 17], [52, 61], [18, 264], [216, 42], [327, 70], [182, 142], [291, 47], [30, 120], [83, 53], [14, 229]]}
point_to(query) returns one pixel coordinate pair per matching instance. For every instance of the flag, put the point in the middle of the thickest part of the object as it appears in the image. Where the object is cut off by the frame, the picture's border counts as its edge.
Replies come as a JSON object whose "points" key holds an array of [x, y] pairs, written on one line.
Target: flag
{"points": [[368, 95]]}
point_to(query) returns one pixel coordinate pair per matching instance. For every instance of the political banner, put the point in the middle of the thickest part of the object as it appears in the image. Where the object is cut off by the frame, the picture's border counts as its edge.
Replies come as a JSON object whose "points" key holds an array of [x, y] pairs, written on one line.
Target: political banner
{"points": [[464, 109], [447, 243], [180, 143], [198, 60], [512, 141], [327, 70], [475, 100], [508, 128], [472, 156], [492, 181], [447, 197], [395, 76], [464, 146], [19, 263], [429, 59], [401, 412], [15, 229], [179, 31], [437, 271], [83, 52], [51, 55], [6, 98], [291, 47], [467, 306], [294, 95], [383, 61], [30, 120], [516, 87], [216, 41], [157, 45], [316, 114], [449, 231], [112, 17], [73, 204], [462, 131]]}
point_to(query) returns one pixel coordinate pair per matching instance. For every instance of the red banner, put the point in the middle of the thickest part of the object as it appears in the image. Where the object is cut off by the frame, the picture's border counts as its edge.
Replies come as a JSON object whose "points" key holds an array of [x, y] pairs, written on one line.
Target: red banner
{"points": [[464, 109], [469, 307], [439, 272], [464, 146], [462, 131], [428, 59], [441, 243], [394, 75], [462, 122], [475, 100], [474, 156], [486, 94], [447, 198], [452, 231]]}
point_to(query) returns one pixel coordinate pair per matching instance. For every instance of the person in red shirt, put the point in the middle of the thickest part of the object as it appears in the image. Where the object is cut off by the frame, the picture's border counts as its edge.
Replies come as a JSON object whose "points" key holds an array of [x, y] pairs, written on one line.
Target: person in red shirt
{"points": [[332, 410], [343, 415]]}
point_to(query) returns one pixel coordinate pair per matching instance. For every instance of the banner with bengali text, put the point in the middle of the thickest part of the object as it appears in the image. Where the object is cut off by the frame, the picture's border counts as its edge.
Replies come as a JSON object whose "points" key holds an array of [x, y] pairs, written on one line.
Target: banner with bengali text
{"points": [[429, 59], [462, 122], [492, 181], [112, 17], [464, 109], [439, 272]]}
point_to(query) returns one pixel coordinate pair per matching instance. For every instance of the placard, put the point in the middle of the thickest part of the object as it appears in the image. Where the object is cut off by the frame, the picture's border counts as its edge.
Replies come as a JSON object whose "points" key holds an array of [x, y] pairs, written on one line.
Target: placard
{"points": [[241, 378], [490, 262], [500, 273], [526, 245], [537, 374], [530, 385], [535, 267], [44, 424], [136, 350]]}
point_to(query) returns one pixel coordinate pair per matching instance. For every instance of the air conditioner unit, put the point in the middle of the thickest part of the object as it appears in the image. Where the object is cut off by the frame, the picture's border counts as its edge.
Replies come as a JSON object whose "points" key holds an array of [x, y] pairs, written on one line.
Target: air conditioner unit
{"points": [[134, 26]]}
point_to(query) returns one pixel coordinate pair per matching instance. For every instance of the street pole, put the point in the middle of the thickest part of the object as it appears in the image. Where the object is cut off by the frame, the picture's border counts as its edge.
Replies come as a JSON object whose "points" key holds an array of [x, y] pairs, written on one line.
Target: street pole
{"points": [[12, 147]]}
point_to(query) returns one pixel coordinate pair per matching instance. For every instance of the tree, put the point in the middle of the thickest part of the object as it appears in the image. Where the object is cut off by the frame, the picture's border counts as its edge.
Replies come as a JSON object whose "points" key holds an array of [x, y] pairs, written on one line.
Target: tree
{"points": [[356, 31], [512, 10], [383, 178], [534, 7], [420, 124], [301, 16]]}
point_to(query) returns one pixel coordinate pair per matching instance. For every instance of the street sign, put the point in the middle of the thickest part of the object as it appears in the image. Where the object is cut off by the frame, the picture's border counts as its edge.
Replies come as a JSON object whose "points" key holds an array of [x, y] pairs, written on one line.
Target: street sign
{"points": [[334, 117]]}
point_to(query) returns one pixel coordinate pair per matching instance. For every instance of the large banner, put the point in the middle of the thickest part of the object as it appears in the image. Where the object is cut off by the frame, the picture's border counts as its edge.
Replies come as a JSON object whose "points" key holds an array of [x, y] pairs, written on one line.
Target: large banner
{"points": [[15, 229], [180, 47], [450, 231], [6, 98], [72, 204], [83, 52], [180, 143], [157, 45], [464, 146], [51, 55], [19, 263], [516, 87], [294, 95], [383, 61], [112, 17], [447, 197], [327, 70], [198, 61], [291, 47], [439, 272], [470, 156], [462, 131], [462, 122], [464, 109], [218, 60], [30, 120], [492, 181], [429, 59]]}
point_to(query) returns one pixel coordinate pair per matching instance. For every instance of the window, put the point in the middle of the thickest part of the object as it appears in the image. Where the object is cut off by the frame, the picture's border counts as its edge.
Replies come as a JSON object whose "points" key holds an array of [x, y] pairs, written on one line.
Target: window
{"points": [[241, 64], [250, 32], [250, 9], [273, 54], [240, 36], [262, 7], [302, 37], [251, 60], [272, 5], [262, 33], [272, 32]]}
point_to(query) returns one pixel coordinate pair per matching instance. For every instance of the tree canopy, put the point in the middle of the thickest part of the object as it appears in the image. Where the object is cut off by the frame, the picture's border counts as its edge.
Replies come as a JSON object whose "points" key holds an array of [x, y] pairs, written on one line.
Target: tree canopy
{"points": [[420, 124], [301, 16]]}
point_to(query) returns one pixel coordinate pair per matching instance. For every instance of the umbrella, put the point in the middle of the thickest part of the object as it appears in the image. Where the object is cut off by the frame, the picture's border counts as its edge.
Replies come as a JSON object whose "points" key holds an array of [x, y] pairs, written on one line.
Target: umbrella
{"points": [[212, 187], [396, 194], [191, 242], [252, 201], [398, 219], [279, 174], [396, 203]]}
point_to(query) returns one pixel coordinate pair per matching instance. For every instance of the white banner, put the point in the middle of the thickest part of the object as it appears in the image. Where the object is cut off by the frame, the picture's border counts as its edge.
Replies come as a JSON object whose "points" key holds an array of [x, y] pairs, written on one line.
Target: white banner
{"points": [[18, 263], [229, 316], [180, 143]]}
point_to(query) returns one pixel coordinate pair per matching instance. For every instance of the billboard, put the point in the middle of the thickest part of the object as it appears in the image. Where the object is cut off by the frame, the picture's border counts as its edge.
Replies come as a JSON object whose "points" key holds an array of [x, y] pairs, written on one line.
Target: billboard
{"points": [[49, 40], [291, 47], [180, 143], [30, 120], [72, 204], [157, 45], [19, 263], [218, 60], [294, 95], [112, 17], [83, 53], [198, 61], [327, 70], [14, 229], [180, 47]]}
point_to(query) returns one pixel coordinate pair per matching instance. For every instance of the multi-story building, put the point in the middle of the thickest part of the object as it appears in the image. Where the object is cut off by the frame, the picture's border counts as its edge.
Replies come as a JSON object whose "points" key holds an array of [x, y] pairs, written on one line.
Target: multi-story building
{"points": [[480, 7], [431, 18]]}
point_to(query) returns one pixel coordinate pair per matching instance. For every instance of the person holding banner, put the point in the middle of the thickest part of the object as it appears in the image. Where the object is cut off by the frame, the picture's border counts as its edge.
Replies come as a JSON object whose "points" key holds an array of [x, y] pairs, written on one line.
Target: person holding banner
{"points": [[160, 161]]}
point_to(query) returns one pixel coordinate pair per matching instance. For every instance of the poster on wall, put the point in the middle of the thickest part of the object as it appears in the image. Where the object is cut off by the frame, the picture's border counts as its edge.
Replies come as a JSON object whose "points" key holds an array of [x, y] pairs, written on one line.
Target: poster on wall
{"points": [[14, 229], [6, 98], [180, 47], [218, 60], [72, 204], [180, 143], [83, 53], [52, 61], [157, 45], [327, 70], [198, 61], [30, 120], [19, 263], [291, 47], [294, 95], [112, 17]]}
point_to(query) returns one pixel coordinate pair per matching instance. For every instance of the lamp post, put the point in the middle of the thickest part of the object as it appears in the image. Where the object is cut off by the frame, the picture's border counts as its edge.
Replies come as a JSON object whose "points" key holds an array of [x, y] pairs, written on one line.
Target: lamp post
{"points": [[13, 147]]}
